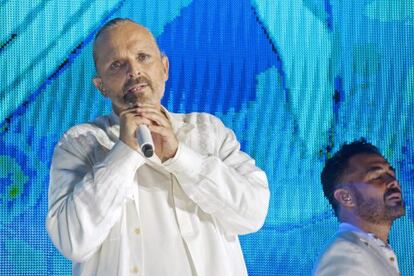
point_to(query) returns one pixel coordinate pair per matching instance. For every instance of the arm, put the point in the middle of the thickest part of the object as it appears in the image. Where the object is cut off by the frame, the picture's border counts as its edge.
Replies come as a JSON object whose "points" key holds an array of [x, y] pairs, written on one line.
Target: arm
{"points": [[226, 185], [85, 198]]}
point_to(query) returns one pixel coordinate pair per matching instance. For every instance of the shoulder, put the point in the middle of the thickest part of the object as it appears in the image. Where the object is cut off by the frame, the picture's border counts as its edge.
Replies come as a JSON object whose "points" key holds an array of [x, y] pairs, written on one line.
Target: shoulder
{"points": [[205, 124], [204, 132], [85, 134], [344, 243], [345, 253]]}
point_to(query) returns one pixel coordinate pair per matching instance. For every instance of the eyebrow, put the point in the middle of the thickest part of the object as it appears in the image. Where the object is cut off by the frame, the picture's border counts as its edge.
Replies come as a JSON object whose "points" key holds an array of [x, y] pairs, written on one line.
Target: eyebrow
{"points": [[375, 168]]}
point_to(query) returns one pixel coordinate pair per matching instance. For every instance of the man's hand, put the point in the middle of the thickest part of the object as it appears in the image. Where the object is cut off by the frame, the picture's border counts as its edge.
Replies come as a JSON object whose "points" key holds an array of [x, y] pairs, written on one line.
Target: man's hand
{"points": [[165, 141], [129, 120]]}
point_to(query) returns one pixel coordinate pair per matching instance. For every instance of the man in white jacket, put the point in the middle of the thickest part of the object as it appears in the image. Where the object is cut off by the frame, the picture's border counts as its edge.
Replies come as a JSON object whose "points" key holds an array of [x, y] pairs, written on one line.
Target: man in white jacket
{"points": [[366, 197], [113, 211]]}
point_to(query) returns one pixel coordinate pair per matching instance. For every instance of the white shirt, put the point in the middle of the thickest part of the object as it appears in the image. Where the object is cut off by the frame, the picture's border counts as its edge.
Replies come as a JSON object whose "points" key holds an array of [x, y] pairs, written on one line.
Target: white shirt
{"points": [[355, 252], [114, 212], [385, 248]]}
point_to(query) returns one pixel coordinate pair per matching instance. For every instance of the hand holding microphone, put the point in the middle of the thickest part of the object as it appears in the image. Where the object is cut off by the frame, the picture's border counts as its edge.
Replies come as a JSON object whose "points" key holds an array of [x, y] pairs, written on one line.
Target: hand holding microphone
{"points": [[143, 134], [144, 126]]}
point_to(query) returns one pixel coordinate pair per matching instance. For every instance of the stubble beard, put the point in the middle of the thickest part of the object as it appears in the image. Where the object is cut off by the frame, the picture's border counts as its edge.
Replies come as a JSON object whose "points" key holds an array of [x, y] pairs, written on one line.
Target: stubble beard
{"points": [[132, 99], [377, 211]]}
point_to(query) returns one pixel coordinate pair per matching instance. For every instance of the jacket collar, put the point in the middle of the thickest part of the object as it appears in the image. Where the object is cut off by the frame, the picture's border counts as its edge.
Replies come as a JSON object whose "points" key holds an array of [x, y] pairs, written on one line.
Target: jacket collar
{"points": [[347, 227], [370, 242]]}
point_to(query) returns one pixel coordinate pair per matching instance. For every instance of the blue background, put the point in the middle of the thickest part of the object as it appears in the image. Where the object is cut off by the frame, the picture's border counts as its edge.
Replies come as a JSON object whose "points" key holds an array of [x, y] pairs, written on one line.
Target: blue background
{"points": [[294, 79]]}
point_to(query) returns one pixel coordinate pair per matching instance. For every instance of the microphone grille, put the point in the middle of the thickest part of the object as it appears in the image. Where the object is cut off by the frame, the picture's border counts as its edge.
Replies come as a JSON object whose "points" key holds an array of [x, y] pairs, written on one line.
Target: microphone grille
{"points": [[148, 151]]}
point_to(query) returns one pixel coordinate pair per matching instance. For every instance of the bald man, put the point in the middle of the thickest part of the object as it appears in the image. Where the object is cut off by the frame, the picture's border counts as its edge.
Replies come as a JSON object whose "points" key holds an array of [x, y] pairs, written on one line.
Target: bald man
{"points": [[114, 211]]}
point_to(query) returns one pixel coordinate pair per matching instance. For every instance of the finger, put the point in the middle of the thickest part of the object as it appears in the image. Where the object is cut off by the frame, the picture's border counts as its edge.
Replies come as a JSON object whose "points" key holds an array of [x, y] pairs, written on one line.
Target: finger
{"points": [[149, 109], [135, 118], [148, 105], [164, 132], [132, 110], [158, 118], [152, 110]]}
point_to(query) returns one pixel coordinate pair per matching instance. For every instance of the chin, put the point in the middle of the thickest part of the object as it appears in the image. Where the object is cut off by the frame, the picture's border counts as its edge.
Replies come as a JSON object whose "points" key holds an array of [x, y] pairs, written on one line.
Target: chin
{"points": [[397, 211]]}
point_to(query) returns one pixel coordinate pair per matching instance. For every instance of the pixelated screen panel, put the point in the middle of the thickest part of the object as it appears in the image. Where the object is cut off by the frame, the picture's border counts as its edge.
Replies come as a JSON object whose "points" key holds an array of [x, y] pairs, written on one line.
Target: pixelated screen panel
{"points": [[293, 79]]}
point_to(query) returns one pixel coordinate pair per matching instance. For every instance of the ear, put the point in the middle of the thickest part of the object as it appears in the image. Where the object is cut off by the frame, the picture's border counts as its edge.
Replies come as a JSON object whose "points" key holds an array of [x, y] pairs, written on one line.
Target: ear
{"points": [[166, 66], [344, 197], [97, 81]]}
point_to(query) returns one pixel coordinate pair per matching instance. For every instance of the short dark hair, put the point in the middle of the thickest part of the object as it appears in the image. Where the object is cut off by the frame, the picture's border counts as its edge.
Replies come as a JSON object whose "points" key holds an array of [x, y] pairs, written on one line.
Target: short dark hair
{"points": [[108, 25], [335, 167]]}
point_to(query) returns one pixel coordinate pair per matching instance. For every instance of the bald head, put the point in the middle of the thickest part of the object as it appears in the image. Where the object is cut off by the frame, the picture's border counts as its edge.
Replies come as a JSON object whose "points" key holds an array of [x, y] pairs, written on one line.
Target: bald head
{"points": [[114, 26]]}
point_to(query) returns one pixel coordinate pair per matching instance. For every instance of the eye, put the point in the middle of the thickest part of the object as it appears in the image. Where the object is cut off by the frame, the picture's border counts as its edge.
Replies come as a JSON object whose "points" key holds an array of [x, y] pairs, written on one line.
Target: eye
{"points": [[116, 65], [391, 176], [142, 57], [383, 177], [376, 176], [379, 177]]}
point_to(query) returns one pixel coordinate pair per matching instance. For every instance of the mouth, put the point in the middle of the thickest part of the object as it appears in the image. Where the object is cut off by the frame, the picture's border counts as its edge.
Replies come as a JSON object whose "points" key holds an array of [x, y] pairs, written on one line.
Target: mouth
{"points": [[133, 93], [137, 88], [394, 196]]}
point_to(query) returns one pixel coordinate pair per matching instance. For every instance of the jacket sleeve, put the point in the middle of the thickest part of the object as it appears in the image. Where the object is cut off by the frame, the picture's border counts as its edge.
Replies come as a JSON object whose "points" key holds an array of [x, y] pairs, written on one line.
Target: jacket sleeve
{"points": [[226, 185], [86, 197]]}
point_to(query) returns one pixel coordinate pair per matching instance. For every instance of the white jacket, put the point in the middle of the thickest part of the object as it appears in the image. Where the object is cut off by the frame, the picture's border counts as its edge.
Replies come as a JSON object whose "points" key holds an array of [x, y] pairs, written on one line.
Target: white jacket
{"points": [[113, 212], [354, 254]]}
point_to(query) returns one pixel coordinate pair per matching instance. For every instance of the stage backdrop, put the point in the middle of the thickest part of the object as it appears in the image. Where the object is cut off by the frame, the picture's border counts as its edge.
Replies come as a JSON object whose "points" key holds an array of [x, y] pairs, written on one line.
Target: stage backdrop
{"points": [[294, 80]]}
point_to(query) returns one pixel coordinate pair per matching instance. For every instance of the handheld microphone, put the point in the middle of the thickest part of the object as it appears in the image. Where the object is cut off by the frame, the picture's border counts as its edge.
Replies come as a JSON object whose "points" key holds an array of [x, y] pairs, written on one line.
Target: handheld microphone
{"points": [[143, 133], [145, 141]]}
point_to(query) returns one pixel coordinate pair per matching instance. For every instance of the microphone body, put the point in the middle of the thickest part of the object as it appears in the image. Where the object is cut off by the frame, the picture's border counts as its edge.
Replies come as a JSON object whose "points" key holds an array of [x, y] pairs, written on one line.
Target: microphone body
{"points": [[145, 140]]}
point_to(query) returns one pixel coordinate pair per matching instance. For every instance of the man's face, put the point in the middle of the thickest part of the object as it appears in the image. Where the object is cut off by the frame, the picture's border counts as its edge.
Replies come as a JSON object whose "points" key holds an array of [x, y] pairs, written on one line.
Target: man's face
{"points": [[130, 66], [375, 188]]}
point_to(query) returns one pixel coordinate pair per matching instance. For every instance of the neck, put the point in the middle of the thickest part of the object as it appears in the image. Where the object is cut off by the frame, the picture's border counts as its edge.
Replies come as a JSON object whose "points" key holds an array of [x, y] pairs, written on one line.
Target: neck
{"points": [[381, 230]]}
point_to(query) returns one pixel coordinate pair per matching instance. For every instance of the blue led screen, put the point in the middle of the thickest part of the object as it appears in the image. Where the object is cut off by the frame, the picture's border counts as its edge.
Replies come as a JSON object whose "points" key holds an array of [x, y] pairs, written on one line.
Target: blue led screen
{"points": [[294, 80]]}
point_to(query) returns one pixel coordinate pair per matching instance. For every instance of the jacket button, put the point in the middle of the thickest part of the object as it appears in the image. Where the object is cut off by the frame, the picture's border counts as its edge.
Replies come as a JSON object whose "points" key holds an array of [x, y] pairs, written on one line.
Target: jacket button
{"points": [[135, 269], [137, 231]]}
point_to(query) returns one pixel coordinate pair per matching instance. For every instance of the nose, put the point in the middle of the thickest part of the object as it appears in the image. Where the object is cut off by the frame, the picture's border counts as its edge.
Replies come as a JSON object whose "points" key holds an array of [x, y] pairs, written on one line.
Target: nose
{"points": [[134, 69], [393, 183]]}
